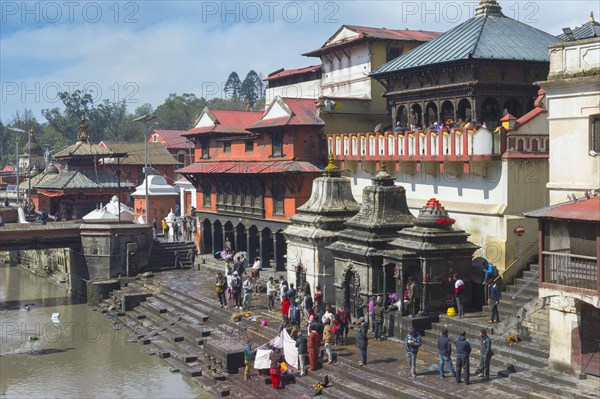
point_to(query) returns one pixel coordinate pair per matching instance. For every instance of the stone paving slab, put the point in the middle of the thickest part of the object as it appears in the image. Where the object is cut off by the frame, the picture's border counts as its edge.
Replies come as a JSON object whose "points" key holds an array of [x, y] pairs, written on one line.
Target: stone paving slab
{"points": [[386, 359]]}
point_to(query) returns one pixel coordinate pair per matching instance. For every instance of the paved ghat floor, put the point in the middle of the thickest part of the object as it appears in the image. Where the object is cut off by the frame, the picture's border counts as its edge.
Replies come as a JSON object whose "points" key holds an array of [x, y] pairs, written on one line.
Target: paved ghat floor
{"points": [[386, 359]]}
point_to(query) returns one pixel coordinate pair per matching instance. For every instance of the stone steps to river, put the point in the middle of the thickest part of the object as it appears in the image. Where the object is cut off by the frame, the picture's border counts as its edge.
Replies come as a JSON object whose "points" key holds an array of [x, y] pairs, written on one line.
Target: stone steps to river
{"points": [[162, 256], [198, 308]]}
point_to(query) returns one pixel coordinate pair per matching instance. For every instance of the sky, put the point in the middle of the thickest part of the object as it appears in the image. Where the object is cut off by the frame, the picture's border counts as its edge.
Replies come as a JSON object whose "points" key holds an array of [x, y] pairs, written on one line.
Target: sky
{"points": [[141, 51]]}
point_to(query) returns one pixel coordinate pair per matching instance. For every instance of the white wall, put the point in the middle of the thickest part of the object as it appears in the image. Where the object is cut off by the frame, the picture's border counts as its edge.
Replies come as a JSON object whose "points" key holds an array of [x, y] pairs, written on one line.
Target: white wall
{"points": [[347, 77], [308, 89]]}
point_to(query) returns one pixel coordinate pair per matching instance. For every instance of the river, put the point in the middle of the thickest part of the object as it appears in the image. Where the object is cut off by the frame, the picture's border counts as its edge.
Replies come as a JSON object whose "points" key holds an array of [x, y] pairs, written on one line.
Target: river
{"points": [[79, 356]]}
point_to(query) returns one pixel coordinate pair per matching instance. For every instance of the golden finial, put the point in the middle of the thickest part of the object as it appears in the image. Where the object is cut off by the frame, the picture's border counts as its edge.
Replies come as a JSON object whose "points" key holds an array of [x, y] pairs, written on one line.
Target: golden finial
{"points": [[331, 166], [83, 135], [592, 20]]}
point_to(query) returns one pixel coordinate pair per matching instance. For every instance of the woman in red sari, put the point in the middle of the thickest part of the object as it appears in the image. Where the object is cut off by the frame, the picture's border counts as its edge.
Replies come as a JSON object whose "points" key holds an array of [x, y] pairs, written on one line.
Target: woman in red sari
{"points": [[275, 370], [314, 346]]}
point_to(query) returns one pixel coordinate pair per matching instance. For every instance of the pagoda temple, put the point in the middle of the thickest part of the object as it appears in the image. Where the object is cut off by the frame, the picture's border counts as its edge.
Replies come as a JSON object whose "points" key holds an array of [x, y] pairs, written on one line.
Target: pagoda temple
{"points": [[432, 252], [315, 226], [83, 182]]}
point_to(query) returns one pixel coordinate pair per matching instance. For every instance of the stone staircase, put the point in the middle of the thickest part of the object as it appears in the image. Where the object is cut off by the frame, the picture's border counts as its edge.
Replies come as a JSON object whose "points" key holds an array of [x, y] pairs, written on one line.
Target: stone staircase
{"points": [[545, 384], [162, 256]]}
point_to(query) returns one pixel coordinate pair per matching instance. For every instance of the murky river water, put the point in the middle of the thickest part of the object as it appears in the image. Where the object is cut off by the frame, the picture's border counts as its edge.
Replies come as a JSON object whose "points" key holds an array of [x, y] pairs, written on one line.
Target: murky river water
{"points": [[81, 356]]}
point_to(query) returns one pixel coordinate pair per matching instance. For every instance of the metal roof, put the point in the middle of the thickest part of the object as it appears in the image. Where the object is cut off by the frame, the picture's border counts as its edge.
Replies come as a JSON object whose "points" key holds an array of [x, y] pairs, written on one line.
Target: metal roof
{"points": [[302, 112], [226, 122], [75, 179], [82, 149], [587, 210], [173, 139], [369, 33], [489, 35], [284, 73], [157, 153], [586, 31], [243, 167]]}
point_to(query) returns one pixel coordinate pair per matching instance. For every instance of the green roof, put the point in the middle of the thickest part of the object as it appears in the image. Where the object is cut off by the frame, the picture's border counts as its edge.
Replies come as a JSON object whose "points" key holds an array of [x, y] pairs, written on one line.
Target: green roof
{"points": [[489, 35], [74, 179]]}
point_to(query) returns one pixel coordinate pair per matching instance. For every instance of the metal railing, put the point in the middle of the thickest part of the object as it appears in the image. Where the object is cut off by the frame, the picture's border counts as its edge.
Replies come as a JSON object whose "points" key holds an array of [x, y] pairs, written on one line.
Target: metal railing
{"points": [[522, 259], [527, 284], [578, 271]]}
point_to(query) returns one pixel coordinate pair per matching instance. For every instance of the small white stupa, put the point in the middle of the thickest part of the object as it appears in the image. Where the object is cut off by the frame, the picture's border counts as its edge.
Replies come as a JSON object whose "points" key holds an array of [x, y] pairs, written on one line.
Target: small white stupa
{"points": [[110, 213]]}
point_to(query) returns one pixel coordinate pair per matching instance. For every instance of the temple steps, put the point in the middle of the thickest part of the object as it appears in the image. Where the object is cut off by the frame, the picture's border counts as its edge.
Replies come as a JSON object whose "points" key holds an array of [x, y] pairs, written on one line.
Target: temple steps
{"points": [[162, 256]]}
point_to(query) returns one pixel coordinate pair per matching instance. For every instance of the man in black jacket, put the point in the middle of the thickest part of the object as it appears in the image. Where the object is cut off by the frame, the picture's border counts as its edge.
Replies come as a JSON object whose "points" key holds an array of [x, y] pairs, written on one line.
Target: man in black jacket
{"points": [[463, 350], [445, 352], [302, 345], [362, 340], [493, 302], [486, 356]]}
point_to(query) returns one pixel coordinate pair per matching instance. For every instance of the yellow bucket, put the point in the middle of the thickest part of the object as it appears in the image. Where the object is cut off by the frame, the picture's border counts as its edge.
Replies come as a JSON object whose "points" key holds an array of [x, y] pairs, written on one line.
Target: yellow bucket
{"points": [[451, 312]]}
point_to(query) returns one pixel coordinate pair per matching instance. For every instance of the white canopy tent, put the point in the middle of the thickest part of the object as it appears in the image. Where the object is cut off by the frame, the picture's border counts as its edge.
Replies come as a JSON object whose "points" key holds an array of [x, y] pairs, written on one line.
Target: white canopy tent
{"points": [[283, 341]]}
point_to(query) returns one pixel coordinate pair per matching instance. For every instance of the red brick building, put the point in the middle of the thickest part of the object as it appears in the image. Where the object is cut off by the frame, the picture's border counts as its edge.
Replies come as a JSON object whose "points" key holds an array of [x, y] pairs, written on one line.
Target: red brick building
{"points": [[252, 171], [132, 166], [177, 144]]}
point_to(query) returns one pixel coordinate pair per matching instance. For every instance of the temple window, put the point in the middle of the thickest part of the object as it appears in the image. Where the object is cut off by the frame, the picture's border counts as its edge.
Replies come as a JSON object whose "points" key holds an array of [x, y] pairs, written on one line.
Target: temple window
{"points": [[595, 134], [277, 144], [206, 195]]}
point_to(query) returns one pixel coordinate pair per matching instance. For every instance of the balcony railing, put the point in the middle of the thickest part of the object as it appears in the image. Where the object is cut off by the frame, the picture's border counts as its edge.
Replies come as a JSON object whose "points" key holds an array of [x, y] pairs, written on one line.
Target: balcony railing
{"points": [[570, 270]]}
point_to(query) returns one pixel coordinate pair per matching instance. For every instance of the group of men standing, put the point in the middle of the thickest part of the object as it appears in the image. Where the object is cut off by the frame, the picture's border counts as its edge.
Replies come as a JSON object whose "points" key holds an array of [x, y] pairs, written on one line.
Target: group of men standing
{"points": [[463, 353]]}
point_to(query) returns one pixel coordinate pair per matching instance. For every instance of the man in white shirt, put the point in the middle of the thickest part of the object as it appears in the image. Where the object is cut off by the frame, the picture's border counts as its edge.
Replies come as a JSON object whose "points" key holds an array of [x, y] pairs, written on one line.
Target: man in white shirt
{"points": [[256, 268], [247, 287], [459, 286], [271, 292]]}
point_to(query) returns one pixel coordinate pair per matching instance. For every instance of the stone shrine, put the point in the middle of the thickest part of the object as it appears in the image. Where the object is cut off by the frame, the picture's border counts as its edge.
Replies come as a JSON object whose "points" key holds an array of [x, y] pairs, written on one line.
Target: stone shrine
{"points": [[431, 252], [358, 252], [314, 227]]}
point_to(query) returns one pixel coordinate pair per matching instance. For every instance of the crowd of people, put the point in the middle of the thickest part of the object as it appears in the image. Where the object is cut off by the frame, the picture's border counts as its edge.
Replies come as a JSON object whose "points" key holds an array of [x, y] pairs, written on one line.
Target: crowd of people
{"points": [[315, 324]]}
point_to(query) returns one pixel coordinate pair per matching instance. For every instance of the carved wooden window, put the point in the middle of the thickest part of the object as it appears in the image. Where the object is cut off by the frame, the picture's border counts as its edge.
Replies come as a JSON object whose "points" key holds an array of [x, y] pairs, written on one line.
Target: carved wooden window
{"points": [[277, 144], [227, 147], [204, 149], [206, 189], [249, 146], [278, 198]]}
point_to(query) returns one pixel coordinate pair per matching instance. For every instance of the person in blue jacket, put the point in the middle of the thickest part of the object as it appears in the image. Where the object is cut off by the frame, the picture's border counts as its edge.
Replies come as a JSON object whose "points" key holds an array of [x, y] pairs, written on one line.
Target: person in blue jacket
{"points": [[413, 342]]}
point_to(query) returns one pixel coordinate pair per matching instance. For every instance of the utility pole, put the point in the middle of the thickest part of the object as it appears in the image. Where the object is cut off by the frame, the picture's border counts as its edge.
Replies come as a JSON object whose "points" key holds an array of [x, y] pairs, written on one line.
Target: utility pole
{"points": [[146, 118], [19, 132]]}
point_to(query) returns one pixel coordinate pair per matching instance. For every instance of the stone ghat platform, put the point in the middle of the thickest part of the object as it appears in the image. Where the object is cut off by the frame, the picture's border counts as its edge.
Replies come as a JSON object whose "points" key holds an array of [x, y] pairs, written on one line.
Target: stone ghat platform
{"points": [[182, 323]]}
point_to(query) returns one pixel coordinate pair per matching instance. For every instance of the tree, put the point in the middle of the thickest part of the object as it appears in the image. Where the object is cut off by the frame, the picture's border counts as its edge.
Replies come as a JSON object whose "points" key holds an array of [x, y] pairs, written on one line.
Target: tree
{"points": [[233, 85], [112, 116], [251, 87], [179, 112], [78, 104]]}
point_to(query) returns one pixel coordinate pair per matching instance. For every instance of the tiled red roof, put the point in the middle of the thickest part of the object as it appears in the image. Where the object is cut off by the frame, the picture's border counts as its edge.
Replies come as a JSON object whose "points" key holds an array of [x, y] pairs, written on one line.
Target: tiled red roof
{"points": [[243, 167], [292, 72], [365, 32], [304, 113], [173, 139], [584, 209], [228, 122], [395, 34], [530, 116]]}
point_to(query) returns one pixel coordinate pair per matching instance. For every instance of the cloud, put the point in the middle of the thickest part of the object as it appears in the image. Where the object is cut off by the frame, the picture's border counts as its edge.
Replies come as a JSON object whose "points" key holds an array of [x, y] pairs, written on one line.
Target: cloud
{"points": [[187, 46]]}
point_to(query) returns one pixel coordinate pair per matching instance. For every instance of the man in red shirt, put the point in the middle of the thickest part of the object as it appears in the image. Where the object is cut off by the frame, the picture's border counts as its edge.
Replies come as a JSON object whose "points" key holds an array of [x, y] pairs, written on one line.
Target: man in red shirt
{"points": [[285, 310], [344, 318], [459, 287]]}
